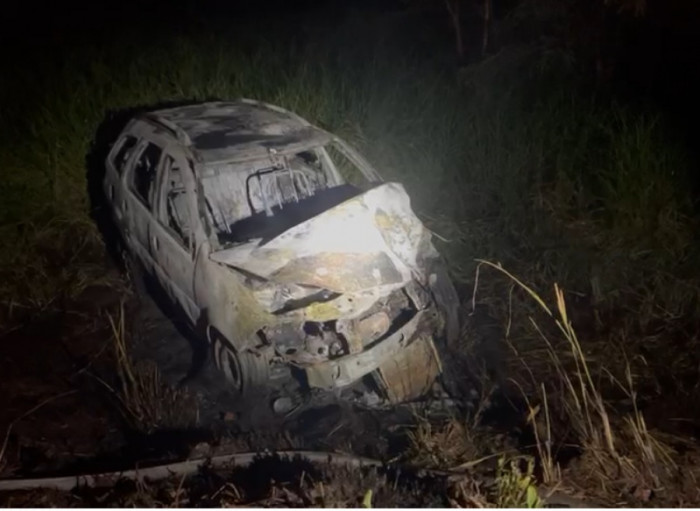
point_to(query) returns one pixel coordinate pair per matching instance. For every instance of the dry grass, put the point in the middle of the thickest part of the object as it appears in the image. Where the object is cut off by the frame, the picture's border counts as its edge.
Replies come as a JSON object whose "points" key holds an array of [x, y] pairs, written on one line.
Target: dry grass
{"points": [[146, 402], [443, 446], [467, 493], [260, 487], [453, 447], [539, 419], [620, 455]]}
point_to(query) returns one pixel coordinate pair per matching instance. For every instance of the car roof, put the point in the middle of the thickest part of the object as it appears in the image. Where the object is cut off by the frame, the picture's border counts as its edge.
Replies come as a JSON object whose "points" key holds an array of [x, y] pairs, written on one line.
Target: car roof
{"points": [[237, 131]]}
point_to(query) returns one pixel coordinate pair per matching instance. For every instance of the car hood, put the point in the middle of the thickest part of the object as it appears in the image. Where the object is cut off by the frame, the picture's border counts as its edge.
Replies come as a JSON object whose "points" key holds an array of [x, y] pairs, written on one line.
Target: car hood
{"points": [[370, 241]]}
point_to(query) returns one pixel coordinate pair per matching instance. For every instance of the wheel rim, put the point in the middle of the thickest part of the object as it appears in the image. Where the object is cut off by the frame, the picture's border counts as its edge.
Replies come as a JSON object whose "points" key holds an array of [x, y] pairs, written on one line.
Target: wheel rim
{"points": [[243, 370], [228, 362], [232, 369]]}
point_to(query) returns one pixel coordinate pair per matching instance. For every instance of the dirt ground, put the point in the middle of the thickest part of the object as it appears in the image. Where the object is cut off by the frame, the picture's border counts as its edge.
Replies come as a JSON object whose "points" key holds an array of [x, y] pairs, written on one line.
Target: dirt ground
{"points": [[59, 413]]}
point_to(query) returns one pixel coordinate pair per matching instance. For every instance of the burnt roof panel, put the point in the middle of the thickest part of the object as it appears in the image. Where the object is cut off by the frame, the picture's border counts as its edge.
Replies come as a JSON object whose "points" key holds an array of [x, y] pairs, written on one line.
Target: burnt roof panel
{"points": [[240, 130]]}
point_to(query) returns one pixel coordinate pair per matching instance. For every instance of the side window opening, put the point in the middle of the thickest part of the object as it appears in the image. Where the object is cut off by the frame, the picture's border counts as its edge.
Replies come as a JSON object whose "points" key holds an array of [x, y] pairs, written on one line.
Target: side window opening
{"points": [[145, 173], [349, 171], [128, 144], [177, 215]]}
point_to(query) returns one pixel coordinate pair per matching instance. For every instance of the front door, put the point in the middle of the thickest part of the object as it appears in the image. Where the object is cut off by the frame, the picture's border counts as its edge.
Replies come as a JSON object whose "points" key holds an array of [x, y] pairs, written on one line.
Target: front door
{"points": [[173, 231]]}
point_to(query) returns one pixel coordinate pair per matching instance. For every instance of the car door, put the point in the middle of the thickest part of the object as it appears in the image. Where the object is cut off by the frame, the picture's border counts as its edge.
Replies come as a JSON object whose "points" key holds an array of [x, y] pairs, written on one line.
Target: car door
{"points": [[139, 200], [173, 230], [118, 160]]}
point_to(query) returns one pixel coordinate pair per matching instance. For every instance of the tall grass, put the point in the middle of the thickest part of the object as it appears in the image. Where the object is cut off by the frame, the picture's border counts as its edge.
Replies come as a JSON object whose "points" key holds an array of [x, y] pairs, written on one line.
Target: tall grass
{"points": [[618, 451], [505, 159]]}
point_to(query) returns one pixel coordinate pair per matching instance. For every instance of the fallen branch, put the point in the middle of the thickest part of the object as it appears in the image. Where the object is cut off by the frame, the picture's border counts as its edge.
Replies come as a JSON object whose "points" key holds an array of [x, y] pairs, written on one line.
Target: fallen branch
{"points": [[185, 468], [181, 468]]}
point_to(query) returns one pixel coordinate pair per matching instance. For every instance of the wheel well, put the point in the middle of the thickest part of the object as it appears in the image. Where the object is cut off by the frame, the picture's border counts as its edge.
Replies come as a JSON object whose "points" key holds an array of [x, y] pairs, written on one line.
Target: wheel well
{"points": [[214, 333]]}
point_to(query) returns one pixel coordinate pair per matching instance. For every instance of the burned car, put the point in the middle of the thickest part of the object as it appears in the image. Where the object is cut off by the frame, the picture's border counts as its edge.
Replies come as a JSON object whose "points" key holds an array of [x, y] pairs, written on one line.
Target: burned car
{"points": [[285, 248]]}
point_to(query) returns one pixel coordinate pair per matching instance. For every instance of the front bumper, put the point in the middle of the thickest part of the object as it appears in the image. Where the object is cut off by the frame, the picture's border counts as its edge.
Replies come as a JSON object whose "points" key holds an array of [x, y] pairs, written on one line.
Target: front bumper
{"points": [[406, 362]]}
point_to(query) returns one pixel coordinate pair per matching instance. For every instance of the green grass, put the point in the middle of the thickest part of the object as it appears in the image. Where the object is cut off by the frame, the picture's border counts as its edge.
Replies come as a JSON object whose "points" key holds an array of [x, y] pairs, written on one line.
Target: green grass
{"points": [[506, 159]]}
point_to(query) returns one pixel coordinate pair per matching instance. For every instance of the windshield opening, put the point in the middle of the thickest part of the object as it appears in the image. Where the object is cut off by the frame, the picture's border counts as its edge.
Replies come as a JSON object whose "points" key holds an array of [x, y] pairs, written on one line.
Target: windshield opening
{"points": [[262, 199]]}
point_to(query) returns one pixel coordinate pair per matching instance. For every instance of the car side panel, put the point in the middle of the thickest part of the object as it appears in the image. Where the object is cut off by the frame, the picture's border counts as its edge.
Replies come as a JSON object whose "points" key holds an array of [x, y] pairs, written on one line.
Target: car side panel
{"points": [[113, 187], [136, 224]]}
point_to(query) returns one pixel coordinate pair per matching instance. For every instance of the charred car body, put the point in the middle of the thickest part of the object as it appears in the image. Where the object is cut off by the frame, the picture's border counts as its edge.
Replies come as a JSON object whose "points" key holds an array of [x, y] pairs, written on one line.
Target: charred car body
{"points": [[284, 244]]}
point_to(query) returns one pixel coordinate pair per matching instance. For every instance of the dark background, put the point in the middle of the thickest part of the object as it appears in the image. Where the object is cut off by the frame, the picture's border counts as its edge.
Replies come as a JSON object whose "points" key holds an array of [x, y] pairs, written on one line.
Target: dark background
{"points": [[652, 57]]}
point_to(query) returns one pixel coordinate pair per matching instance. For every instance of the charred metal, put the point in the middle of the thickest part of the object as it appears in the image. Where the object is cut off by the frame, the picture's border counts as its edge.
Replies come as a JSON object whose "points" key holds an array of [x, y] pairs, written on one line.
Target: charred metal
{"points": [[289, 241]]}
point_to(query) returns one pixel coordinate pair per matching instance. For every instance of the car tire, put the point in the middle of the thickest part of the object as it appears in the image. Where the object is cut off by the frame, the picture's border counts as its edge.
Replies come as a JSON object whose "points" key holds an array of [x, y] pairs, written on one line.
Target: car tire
{"points": [[245, 371]]}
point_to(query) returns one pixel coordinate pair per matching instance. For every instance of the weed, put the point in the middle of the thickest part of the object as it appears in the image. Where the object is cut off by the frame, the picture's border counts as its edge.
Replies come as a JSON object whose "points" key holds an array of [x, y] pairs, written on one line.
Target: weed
{"points": [[515, 486], [442, 446]]}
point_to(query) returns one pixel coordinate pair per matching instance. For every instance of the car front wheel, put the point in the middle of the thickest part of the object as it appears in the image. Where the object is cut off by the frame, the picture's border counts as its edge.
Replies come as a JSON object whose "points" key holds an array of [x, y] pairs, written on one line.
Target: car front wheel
{"points": [[245, 371]]}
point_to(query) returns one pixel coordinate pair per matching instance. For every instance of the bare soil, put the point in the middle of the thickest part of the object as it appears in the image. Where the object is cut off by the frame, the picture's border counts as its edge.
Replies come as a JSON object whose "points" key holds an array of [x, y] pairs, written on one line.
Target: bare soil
{"points": [[58, 416]]}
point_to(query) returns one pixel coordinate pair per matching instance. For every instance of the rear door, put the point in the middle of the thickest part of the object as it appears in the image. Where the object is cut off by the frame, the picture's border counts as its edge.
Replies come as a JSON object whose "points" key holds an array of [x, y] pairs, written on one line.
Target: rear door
{"points": [[119, 159], [140, 198]]}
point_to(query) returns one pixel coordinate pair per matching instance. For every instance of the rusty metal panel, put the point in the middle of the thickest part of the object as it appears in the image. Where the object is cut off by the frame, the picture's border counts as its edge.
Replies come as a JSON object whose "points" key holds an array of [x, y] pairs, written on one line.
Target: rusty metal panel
{"points": [[348, 369], [412, 372]]}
